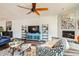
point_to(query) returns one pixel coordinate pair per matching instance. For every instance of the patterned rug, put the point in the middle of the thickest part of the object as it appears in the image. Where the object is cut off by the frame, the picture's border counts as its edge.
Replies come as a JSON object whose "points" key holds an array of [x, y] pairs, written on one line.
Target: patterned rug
{"points": [[5, 52]]}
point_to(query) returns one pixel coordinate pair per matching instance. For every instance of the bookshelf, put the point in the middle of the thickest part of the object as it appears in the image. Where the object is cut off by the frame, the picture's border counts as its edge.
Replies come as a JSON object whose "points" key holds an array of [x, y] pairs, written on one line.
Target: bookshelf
{"points": [[44, 31], [24, 31]]}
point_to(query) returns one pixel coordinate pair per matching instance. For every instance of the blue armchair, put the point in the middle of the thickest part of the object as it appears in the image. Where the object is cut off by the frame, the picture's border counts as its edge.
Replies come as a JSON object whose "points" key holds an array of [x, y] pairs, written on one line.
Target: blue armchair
{"points": [[4, 40]]}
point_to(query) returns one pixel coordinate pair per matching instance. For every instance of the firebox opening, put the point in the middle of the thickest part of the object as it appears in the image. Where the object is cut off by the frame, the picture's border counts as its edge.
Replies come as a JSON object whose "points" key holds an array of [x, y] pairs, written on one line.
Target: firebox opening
{"points": [[68, 34]]}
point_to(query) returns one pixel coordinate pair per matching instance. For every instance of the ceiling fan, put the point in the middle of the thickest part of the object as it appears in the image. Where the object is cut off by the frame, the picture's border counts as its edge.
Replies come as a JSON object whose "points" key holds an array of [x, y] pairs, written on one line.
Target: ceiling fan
{"points": [[34, 9]]}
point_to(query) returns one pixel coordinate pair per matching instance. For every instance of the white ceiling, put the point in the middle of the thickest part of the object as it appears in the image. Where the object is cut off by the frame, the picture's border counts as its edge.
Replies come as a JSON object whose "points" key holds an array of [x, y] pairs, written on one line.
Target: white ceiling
{"points": [[11, 10]]}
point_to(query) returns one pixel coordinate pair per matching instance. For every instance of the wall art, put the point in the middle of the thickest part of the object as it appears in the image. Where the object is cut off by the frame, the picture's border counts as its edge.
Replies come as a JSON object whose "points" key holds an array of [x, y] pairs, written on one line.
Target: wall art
{"points": [[67, 23], [8, 25]]}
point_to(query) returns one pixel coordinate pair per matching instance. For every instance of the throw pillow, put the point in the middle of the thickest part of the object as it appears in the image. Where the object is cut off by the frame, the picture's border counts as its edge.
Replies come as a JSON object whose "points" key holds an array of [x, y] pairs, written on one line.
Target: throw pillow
{"points": [[65, 44], [50, 43]]}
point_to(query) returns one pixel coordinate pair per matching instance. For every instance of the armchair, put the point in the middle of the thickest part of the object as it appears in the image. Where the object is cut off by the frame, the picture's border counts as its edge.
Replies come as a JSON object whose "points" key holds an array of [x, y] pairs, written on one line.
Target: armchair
{"points": [[57, 50]]}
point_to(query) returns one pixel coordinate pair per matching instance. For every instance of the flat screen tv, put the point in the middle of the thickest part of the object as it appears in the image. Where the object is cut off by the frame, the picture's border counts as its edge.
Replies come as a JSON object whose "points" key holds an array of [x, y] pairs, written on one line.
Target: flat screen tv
{"points": [[33, 29]]}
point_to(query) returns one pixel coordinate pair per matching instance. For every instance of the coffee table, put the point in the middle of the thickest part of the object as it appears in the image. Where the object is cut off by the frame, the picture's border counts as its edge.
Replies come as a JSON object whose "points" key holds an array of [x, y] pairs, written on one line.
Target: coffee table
{"points": [[15, 45]]}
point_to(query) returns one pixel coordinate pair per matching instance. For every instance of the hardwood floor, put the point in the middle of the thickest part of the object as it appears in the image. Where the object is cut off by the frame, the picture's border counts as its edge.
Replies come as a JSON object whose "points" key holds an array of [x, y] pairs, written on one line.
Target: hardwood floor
{"points": [[71, 52], [4, 46]]}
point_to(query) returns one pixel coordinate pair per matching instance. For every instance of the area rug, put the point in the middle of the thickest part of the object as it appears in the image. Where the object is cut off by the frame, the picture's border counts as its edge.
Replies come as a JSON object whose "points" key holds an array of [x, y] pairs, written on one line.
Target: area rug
{"points": [[5, 52]]}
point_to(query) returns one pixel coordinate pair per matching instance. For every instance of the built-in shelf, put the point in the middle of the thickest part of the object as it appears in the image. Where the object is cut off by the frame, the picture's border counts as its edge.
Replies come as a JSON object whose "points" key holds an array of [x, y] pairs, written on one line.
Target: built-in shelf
{"points": [[44, 31], [24, 31]]}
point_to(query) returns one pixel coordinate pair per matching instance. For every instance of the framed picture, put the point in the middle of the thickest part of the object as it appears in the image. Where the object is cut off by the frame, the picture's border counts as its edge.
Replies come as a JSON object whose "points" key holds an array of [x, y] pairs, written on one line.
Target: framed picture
{"points": [[8, 25], [68, 23], [45, 28]]}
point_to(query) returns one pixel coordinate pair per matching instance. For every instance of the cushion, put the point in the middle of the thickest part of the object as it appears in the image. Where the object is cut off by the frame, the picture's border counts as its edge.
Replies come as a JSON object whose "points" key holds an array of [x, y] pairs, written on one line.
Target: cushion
{"points": [[77, 38], [63, 43], [50, 43], [57, 44]]}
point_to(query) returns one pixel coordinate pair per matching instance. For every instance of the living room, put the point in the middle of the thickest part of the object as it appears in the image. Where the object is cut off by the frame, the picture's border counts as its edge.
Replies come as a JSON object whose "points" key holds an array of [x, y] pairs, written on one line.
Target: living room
{"points": [[58, 21]]}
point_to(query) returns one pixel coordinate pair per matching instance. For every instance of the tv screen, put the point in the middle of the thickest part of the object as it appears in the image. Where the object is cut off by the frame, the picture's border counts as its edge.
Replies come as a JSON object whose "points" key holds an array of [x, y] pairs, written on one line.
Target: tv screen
{"points": [[33, 29]]}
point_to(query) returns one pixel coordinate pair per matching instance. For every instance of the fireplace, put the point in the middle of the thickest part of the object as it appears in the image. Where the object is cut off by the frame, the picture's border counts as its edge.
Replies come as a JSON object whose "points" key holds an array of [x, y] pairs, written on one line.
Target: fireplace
{"points": [[68, 34]]}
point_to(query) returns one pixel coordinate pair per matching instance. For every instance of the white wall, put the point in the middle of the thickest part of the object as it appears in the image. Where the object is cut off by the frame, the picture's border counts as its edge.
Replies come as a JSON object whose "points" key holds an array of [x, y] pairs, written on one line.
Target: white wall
{"points": [[17, 23], [52, 21]]}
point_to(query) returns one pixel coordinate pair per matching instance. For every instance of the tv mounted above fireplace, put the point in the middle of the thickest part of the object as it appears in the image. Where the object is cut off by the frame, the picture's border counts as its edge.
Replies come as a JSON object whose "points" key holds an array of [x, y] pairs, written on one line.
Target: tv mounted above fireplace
{"points": [[33, 29]]}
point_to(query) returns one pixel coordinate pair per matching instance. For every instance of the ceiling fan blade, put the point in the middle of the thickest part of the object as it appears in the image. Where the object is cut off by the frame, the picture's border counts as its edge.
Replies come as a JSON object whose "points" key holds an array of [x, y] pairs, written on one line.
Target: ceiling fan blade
{"points": [[37, 12], [29, 12], [33, 5], [24, 7], [42, 9]]}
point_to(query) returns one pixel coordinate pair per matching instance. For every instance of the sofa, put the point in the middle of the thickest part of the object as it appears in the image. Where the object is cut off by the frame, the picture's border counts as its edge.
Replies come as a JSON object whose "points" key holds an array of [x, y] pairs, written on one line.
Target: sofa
{"points": [[4, 40]]}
